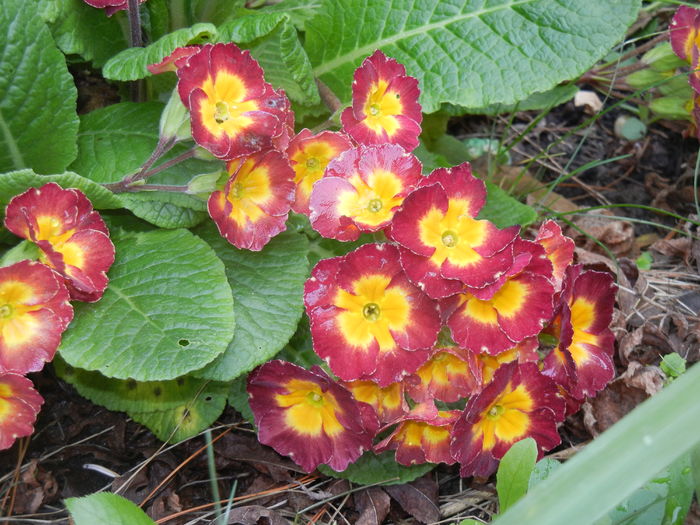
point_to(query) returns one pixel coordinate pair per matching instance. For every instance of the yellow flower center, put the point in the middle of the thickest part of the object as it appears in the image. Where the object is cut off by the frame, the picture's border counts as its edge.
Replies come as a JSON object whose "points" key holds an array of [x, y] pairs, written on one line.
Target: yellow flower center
{"points": [[373, 202], [310, 411], [371, 311], [449, 239], [375, 205], [5, 311], [312, 163]]}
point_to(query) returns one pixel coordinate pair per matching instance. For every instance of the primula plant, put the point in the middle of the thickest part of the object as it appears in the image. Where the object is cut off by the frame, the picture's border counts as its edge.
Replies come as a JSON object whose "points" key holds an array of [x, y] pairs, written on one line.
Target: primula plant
{"points": [[264, 224]]}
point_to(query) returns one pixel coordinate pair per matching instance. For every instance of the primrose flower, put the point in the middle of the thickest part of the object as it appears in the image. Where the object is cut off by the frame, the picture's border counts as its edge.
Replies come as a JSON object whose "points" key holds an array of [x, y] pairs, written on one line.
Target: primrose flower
{"points": [[234, 111], [110, 6], [367, 320], [176, 59], [34, 312], [519, 403], [254, 204], [361, 189], [422, 436], [19, 405], [385, 106], [72, 236], [685, 32], [309, 155], [582, 359], [389, 402], [559, 249], [444, 246], [517, 306], [523, 352], [307, 416], [449, 375]]}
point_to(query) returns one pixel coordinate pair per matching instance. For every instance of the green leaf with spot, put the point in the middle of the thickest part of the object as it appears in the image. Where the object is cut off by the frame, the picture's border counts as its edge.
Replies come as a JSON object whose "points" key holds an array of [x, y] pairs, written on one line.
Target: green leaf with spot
{"points": [[80, 29], [471, 53], [106, 508], [131, 63], [185, 421], [116, 140], [268, 289], [38, 122], [381, 468], [168, 310]]}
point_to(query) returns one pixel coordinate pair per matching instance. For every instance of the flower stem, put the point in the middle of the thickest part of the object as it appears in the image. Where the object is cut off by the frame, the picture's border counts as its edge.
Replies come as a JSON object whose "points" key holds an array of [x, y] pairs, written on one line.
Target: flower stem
{"points": [[154, 187]]}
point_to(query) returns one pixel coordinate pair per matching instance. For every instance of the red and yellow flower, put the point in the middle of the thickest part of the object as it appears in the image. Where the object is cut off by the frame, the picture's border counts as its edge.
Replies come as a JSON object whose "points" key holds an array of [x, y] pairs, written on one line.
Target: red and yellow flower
{"points": [[254, 205], [72, 236], [422, 436], [685, 40], [307, 416], [176, 59], [444, 246], [367, 320], [519, 403], [559, 249], [110, 6], [389, 402], [361, 189], [492, 320], [450, 374], [234, 111], [34, 312], [385, 106], [524, 352], [19, 405], [309, 155], [582, 360]]}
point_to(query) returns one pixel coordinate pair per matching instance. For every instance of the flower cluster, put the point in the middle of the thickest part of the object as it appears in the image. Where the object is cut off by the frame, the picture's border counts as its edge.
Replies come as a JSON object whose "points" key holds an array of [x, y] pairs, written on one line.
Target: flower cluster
{"points": [[450, 309], [74, 253]]}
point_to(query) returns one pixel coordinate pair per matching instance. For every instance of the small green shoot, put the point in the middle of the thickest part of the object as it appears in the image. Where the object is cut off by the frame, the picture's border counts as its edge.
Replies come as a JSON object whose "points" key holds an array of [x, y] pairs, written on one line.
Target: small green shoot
{"points": [[644, 261], [673, 365]]}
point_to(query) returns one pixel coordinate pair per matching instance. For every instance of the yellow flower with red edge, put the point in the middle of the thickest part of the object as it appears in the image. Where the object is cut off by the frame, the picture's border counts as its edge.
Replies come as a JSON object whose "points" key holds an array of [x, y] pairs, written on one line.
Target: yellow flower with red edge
{"points": [[73, 238], [307, 416], [685, 40], [450, 374], [255, 202], [19, 405], [444, 247], [367, 320], [518, 403], [389, 402], [385, 108], [361, 189], [234, 111]]}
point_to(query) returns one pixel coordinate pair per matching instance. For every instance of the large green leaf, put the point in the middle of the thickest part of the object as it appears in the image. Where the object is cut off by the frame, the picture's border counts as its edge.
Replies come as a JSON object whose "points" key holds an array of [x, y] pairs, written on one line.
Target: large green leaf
{"points": [[167, 310], [381, 468], [268, 288], [467, 52], [116, 140], [514, 472], [607, 471], [184, 421], [38, 122], [249, 26], [299, 11], [131, 63], [106, 508], [80, 29], [16, 182]]}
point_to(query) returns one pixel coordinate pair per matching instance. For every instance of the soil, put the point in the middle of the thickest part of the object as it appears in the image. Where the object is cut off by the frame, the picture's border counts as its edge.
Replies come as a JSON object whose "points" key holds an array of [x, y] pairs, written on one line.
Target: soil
{"points": [[79, 448]]}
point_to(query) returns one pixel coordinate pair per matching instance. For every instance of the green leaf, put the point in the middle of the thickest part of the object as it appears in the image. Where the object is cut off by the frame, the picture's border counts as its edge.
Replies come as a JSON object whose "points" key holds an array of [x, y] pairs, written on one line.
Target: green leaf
{"points": [[38, 122], [116, 140], [467, 52], [673, 365], [514, 472], [503, 210], [535, 102], [106, 508], [543, 469], [80, 29], [381, 468], [185, 421], [249, 26], [16, 182], [167, 310], [695, 468], [286, 64], [650, 437], [131, 63], [299, 11], [238, 398], [680, 491], [268, 289]]}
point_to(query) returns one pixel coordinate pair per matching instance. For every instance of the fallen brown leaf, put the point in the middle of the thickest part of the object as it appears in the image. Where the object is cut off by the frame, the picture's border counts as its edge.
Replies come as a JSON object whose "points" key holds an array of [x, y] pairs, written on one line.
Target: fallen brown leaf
{"points": [[373, 505], [254, 515], [418, 498]]}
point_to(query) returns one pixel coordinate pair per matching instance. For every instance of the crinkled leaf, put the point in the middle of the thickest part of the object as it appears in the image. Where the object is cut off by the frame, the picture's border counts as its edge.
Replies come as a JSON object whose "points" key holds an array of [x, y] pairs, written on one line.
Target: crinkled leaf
{"points": [[80, 29], [535, 102], [38, 122], [286, 64], [268, 289], [503, 210], [16, 182], [215, 11], [514, 472], [299, 11], [106, 508], [167, 310], [249, 26], [467, 52], [381, 468], [116, 140], [131, 63]]}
